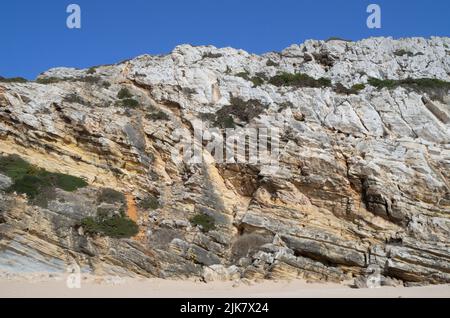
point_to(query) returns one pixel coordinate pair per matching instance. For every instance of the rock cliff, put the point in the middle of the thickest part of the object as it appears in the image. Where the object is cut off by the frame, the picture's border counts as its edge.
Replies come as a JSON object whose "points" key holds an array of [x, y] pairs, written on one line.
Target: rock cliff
{"points": [[362, 184]]}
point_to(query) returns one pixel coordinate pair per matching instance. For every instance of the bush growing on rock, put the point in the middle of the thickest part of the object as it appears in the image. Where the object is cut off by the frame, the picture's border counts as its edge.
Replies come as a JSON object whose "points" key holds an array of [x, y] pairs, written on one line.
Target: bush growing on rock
{"points": [[88, 79], [85, 79], [211, 55], [124, 93], [257, 80], [403, 52], [126, 99], [435, 87], [32, 180], [225, 121], [111, 196], [13, 80], [420, 83], [299, 80], [128, 103], [49, 80], [149, 202], [158, 115], [335, 38], [243, 110], [117, 226], [358, 87], [341, 89], [205, 221]]}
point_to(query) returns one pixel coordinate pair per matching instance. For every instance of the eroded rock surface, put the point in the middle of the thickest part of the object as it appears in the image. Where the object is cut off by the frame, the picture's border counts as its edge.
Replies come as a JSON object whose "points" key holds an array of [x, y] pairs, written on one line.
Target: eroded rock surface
{"points": [[363, 178]]}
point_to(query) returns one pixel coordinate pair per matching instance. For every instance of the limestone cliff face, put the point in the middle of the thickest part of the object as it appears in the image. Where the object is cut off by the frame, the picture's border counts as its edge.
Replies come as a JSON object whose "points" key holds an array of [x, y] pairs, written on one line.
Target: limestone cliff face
{"points": [[363, 179]]}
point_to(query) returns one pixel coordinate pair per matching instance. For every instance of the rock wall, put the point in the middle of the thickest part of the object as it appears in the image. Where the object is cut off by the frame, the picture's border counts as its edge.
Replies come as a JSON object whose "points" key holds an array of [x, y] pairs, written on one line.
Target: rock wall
{"points": [[363, 179]]}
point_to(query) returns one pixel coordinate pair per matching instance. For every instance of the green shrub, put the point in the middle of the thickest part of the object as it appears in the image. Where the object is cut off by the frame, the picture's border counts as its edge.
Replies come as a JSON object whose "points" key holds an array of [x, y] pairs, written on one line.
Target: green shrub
{"points": [[29, 185], [257, 80], [341, 89], [85, 79], [225, 121], [13, 80], [299, 80], [91, 70], [207, 116], [34, 185], [14, 167], [403, 52], [106, 84], [159, 115], [212, 55], [149, 203], [64, 181], [110, 196], [245, 75], [117, 226], [32, 181], [126, 99], [324, 82], [128, 103], [425, 83], [435, 88], [358, 87], [106, 212], [419, 83], [375, 82], [244, 110], [334, 38], [49, 80], [124, 93], [206, 222]]}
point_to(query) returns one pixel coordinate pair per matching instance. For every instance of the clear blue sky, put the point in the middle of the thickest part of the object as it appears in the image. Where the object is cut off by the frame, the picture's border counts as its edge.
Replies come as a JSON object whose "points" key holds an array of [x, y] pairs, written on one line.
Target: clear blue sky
{"points": [[34, 36]]}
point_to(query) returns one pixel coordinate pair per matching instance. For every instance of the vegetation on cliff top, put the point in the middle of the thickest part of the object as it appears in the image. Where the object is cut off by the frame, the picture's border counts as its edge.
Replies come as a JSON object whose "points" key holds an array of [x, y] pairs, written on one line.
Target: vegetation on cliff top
{"points": [[126, 99], [436, 88], [299, 80], [13, 80]]}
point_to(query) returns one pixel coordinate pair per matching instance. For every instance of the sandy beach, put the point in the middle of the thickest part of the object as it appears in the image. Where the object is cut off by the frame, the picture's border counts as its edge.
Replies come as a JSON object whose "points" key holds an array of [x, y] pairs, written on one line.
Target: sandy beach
{"points": [[159, 288]]}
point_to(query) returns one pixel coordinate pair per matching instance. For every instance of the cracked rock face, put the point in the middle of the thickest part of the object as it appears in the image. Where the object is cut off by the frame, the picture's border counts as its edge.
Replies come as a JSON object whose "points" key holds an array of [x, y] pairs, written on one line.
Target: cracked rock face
{"points": [[363, 179]]}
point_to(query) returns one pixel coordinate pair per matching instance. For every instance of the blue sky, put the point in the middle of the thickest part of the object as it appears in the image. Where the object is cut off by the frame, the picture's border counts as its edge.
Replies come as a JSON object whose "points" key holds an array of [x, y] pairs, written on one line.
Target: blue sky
{"points": [[34, 36]]}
